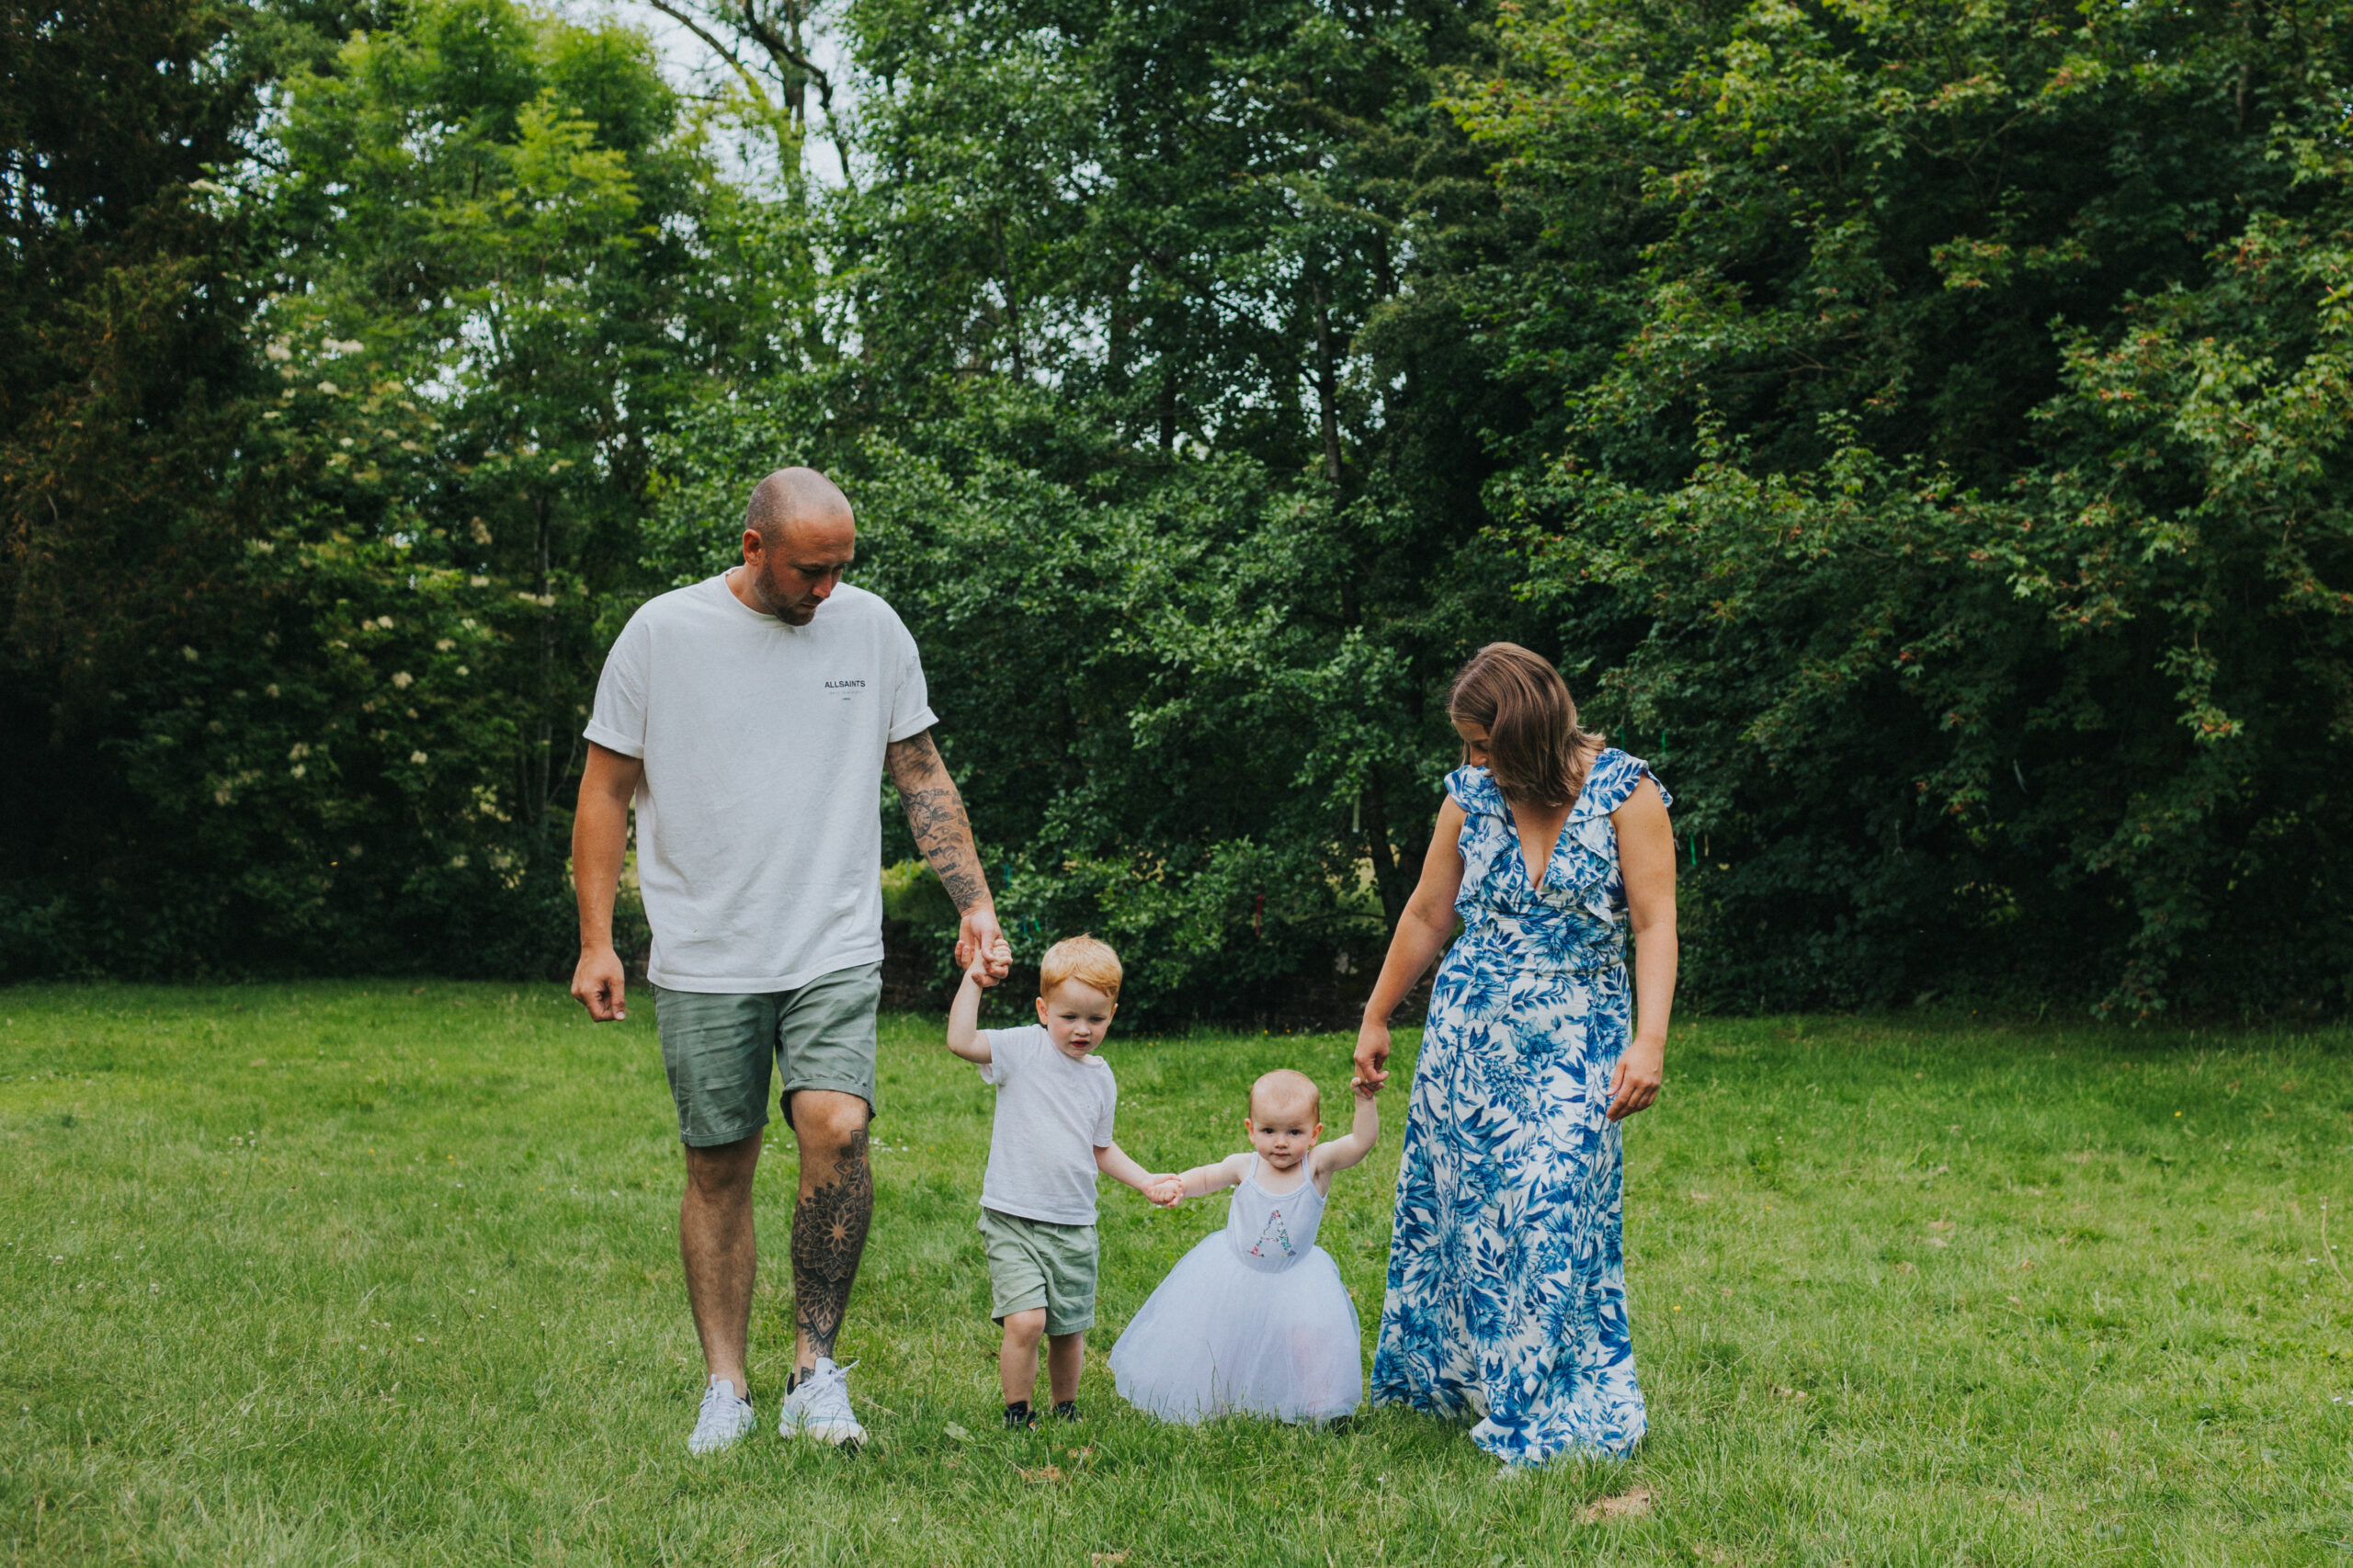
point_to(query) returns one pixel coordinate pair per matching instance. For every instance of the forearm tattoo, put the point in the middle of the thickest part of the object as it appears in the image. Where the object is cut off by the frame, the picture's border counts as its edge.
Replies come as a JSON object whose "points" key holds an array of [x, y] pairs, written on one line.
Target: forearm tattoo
{"points": [[936, 814], [829, 1237]]}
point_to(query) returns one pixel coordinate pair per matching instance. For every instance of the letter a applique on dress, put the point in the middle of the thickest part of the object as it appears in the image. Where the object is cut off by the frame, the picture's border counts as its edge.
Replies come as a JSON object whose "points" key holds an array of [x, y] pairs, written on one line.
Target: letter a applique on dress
{"points": [[1275, 1230]]}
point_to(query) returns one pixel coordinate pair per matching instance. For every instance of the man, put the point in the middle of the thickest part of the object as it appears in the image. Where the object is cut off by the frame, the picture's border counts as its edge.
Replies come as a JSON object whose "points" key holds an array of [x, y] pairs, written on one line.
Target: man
{"points": [[750, 718]]}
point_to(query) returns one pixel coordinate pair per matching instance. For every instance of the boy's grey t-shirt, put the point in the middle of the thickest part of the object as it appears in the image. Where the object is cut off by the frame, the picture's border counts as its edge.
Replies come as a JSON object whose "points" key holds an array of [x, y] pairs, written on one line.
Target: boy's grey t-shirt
{"points": [[1051, 1115]]}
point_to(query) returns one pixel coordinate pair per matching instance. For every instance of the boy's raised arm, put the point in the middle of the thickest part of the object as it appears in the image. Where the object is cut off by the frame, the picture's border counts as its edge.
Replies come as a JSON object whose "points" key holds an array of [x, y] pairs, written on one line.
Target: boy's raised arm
{"points": [[965, 1036], [1363, 1133]]}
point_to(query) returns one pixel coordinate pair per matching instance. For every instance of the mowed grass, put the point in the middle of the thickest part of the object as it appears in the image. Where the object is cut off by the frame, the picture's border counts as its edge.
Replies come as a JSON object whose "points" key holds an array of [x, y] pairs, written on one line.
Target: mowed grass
{"points": [[350, 1273]]}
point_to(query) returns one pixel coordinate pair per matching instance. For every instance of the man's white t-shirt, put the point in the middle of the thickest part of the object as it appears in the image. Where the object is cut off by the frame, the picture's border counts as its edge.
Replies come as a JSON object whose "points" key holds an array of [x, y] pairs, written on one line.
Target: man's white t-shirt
{"points": [[1053, 1113], [759, 825]]}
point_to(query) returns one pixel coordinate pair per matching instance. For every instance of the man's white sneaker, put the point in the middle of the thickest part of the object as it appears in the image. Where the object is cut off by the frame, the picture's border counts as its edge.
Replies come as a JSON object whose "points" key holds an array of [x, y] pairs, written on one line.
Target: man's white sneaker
{"points": [[818, 1407], [724, 1419]]}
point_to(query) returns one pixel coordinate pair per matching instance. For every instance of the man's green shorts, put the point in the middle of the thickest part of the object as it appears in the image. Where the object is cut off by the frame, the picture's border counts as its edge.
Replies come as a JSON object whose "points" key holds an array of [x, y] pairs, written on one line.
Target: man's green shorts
{"points": [[1033, 1263], [719, 1050]]}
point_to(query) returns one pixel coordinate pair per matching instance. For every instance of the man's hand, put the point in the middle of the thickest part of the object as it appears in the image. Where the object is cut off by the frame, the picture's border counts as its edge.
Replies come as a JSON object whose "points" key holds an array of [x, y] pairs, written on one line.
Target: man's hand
{"points": [[982, 951], [598, 981], [987, 965]]}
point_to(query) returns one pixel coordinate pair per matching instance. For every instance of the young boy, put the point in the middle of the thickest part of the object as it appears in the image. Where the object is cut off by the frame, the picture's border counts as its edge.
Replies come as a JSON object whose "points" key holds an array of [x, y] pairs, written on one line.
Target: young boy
{"points": [[1054, 1105]]}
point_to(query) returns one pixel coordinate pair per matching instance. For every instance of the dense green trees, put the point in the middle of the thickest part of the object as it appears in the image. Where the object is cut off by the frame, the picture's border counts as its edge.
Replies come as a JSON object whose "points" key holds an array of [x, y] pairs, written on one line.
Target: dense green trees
{"points": [[1955, 472], [298, 638], [123, 372], [1919, 429], [1164, 433]]}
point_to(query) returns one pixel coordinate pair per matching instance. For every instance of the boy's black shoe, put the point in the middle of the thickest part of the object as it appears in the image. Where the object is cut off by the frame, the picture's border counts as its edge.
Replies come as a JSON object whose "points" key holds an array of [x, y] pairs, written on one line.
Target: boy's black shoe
{"points": [[1018, 1417], [1067, 1411]]}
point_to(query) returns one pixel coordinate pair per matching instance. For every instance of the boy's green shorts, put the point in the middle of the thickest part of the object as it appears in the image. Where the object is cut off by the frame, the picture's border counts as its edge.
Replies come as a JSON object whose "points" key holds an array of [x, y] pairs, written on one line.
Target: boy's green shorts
{"points": [[1033, 1263], [722, 1050]]}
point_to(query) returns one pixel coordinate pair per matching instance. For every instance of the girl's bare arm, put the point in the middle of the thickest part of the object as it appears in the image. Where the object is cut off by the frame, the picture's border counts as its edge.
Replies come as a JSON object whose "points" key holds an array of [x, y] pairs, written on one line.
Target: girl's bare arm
{"points": [[1363, 1133], [1203, 1180], [1422, 933]]}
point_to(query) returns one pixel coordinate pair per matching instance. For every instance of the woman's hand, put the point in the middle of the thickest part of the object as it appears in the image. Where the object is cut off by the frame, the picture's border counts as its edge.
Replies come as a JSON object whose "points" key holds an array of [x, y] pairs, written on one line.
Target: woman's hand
{"points": [[1372, 1054], [1634, 1085]]}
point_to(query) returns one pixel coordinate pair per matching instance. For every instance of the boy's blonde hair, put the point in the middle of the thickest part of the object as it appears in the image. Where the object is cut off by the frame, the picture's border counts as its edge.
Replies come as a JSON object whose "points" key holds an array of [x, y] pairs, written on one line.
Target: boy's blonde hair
{"points": [[1284, 1089], [1082, 959]]}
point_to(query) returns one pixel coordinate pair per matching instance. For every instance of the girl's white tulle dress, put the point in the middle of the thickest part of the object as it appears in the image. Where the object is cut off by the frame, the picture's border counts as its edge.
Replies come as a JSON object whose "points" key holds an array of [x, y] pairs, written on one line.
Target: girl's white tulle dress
{"points": [[1253, 1320]]}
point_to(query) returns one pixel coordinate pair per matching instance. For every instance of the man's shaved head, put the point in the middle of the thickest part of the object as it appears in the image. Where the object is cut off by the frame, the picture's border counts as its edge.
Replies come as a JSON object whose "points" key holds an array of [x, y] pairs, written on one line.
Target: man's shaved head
{"points": [[792, 495], [799, 537]]}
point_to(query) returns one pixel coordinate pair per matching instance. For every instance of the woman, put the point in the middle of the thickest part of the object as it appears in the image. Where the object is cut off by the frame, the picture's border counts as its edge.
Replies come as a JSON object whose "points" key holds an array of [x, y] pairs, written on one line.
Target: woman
{"points": [[1507, 1282]]}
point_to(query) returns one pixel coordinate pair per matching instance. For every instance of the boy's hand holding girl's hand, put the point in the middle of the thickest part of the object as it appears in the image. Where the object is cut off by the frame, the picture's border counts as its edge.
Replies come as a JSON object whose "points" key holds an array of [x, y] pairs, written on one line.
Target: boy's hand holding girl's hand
{"points": [[1168, 1191]]}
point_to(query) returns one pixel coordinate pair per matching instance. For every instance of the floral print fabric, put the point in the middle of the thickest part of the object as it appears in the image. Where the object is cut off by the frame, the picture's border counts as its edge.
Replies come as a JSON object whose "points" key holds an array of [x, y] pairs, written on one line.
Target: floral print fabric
{"points": [[1506, 1295]]}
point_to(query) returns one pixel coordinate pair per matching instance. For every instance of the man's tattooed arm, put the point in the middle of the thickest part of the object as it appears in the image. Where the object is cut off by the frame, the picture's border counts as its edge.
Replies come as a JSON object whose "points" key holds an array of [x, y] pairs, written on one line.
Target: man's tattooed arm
{"points": [[829, 1237], [935, 813]]}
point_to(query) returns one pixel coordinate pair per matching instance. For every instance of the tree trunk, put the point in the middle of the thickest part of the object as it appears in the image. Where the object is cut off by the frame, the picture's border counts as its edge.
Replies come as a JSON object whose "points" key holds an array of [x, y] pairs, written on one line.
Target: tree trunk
{"points": [[542, 784], [1327, 386], [1385, 878]]}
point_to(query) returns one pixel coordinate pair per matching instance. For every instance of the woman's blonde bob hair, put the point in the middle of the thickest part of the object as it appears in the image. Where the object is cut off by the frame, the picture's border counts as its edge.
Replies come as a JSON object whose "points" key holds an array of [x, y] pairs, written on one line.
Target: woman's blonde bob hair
{"points": [[1536, 750]]}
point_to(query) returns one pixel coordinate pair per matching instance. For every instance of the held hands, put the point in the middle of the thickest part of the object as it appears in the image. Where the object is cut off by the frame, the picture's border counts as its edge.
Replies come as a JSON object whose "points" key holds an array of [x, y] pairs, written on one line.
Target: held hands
{"points": [[985, 967], [1372, 1056], [1168, 1191], [980, 943]]}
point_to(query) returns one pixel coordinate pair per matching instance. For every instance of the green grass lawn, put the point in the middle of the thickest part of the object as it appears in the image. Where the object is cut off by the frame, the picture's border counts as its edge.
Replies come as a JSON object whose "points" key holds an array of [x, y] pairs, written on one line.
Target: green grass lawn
{"points": [[350, 1273]]}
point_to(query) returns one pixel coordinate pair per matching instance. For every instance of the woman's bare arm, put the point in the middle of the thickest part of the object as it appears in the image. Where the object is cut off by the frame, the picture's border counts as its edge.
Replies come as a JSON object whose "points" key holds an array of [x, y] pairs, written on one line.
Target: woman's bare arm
{"points": [[1422, 933], [1647, 862]]}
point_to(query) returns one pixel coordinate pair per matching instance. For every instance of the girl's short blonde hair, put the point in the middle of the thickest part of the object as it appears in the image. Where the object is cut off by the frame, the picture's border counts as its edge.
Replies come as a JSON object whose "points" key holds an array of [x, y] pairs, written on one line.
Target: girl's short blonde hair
{"points": [[1082, 959], [1284, 1089]]}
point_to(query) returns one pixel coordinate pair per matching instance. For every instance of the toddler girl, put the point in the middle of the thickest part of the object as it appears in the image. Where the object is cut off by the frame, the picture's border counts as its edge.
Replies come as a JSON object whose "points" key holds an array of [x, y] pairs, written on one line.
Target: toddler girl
{"points": [[1254, 1319]]}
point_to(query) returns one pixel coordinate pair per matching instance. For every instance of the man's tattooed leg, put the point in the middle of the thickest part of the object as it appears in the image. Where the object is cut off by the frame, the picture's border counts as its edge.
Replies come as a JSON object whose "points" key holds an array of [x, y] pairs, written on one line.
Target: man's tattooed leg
{"points": [[828, 1236]]}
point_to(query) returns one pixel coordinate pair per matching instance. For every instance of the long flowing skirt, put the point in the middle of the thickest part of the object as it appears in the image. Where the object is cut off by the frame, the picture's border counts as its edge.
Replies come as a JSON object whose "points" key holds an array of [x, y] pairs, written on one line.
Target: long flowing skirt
{"points": [[1506, 1295]]}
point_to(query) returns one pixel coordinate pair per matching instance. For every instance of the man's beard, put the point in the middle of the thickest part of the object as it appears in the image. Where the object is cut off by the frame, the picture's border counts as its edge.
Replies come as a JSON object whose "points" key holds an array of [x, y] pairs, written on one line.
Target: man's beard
{"points": [[774, 603]]}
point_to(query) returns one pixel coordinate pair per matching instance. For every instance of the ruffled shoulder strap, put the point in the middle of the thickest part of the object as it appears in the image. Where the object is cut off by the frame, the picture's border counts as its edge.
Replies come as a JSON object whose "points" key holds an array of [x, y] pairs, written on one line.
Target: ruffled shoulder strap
{"points": [[1473, 788], [1614, 777]]}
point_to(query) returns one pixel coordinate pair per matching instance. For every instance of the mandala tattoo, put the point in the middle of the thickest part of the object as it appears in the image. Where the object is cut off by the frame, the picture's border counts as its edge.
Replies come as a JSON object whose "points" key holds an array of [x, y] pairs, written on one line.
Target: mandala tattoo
{"points": [[828, 1236]]}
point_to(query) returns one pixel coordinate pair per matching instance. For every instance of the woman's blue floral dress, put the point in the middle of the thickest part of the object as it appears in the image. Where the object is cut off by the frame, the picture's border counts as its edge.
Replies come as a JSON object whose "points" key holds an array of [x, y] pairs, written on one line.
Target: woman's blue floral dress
{"points": [[1506, 1280]]}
